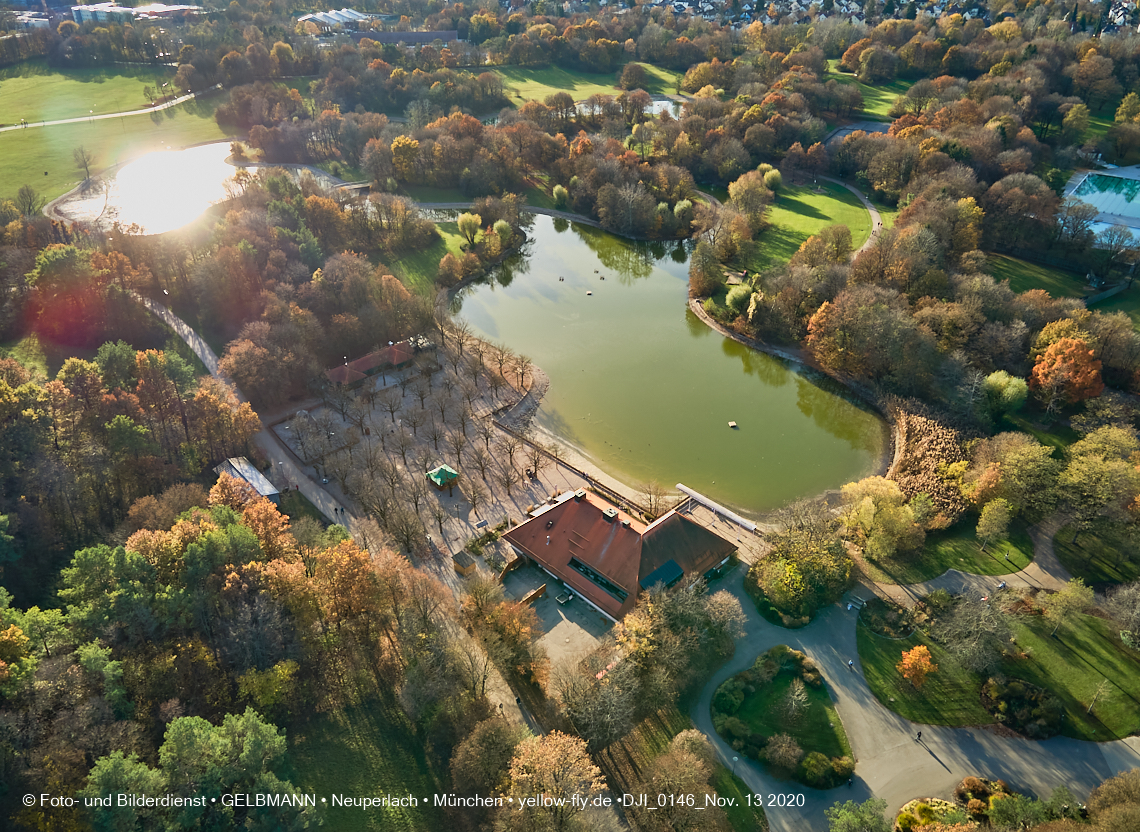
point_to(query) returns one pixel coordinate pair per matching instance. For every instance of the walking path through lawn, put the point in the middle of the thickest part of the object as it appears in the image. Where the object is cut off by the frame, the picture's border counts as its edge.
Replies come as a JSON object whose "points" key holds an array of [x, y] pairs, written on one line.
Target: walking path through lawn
{"points": [[876, 217], [80, 119], [890, 763], [1043, 572]]}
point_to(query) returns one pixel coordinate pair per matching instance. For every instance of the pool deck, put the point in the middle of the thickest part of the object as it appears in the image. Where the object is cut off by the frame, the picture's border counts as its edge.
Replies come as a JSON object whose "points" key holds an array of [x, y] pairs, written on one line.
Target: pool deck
{"points": [[1106, 220]]}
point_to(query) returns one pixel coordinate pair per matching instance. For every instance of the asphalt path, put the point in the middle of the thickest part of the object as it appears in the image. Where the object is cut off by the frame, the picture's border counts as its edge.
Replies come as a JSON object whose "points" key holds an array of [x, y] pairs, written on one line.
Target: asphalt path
{"points": [[890, 762], [101, 116]]}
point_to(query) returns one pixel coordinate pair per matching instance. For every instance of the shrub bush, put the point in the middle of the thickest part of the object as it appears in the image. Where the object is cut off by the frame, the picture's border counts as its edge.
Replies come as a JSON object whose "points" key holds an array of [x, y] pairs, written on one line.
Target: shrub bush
{"points": [[816, 770], [1025, 708]]}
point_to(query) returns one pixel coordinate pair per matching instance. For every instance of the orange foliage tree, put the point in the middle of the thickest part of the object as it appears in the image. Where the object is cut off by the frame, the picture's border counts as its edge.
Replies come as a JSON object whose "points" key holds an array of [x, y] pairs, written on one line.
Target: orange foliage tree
{"points": [[916, 664], [1067, 371]]}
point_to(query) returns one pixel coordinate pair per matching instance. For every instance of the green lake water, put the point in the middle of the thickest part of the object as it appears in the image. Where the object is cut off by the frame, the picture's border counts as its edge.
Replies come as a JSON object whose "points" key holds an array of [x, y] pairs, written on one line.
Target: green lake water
{"points": [[643, 388]]}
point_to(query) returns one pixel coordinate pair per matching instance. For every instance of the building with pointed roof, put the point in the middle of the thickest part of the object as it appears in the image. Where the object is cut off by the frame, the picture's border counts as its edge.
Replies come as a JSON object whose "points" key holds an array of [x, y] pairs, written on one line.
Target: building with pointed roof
{"points": [[608, 557]]}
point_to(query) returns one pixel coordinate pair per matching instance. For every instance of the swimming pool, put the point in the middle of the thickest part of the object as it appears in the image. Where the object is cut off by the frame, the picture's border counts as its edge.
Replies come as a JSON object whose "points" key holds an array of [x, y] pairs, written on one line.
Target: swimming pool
{"points": [[1111, 195]]}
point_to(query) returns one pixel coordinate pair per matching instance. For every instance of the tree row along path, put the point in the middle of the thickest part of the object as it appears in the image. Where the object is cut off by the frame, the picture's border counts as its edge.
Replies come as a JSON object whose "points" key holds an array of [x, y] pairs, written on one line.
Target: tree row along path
{"points": [[283, 460], [101, 116]]}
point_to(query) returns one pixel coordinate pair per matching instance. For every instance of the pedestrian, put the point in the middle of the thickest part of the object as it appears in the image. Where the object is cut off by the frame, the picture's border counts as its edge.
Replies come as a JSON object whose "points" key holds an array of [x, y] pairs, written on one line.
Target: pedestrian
{"points": [[920, 736], [851, 664], [849, 782]]}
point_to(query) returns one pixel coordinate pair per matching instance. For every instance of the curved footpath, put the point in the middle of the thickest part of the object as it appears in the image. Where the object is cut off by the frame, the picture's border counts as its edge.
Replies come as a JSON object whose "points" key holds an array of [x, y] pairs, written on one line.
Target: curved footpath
{"points": [[174, 102], [891, 763]]}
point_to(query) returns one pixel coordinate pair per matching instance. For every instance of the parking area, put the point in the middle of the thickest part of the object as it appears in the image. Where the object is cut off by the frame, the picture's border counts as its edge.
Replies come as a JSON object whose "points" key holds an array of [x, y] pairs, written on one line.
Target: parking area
{"points": [[570, 630]]}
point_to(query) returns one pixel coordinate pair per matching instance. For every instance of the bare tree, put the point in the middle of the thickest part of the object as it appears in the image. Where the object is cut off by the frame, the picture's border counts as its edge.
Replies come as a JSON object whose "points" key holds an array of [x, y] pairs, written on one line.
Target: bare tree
{"points": [[422, 392], [417, 492], [414, 419], [502, 356], [463, 420], [442, 403], [391, 400], [84, 158], [340, 466], [476, 495], [654, 496], [495, 383], [357, 412], [404, 443], [509, 445], [522, 369], [434, 432], [392, 476], [456, 442], [536, 458], [507, 477], [470, 393], [474, 368], [481, 460], [438, 514], [461, 335], [485, 430]]}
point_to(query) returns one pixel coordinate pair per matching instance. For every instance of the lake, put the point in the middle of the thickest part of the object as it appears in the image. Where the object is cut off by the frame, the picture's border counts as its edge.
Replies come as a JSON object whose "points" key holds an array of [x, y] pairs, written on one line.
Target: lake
{"points": [[645, 390]]}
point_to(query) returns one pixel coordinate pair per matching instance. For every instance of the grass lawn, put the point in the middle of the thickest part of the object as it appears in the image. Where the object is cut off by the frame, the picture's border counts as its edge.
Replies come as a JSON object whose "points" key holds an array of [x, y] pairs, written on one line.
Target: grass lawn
{"points": [[1023, 276], [418, 269], [627, 760], [819, 729], [342, 170], [527, 83], [1100, 558], [798, 212], [888, 212], [41, 358], [1058, 435], [1072, 665], [1127, 302], [34, 91], [950, 696], [877, 99], [296, 505], [958, 548], [26, 155], [369, 750]]}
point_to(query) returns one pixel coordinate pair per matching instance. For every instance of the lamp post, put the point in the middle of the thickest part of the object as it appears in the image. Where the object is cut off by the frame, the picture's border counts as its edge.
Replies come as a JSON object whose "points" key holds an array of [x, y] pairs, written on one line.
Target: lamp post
{"points": [[734, 759]]}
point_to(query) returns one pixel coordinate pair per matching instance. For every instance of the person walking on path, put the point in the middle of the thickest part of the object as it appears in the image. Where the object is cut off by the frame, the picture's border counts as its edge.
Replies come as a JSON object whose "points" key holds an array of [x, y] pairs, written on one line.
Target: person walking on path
{"points": [[919, 737], [851, 664]]}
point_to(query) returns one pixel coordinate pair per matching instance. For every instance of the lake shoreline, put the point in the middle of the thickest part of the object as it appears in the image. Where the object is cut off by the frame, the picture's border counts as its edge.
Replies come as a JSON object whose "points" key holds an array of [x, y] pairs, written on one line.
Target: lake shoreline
{"points": [[892, 455]]}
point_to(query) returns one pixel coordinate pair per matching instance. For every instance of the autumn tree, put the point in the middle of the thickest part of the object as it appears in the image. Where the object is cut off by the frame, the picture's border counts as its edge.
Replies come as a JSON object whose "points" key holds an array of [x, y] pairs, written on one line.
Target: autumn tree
{"points": [[469, 226], [1067, 372], [1064, 604], [916, 665], [480, 764], [557, 766], [994, 521]]}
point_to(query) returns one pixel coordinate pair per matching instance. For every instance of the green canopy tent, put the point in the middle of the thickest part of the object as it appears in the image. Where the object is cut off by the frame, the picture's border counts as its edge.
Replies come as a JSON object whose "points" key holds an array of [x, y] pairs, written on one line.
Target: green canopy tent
{"points": [[443, 477]]}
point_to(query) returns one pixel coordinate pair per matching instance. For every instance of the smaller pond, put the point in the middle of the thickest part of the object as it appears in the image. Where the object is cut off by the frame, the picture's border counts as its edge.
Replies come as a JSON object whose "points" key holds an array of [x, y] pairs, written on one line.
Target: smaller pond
{"points": [[162, 191]]}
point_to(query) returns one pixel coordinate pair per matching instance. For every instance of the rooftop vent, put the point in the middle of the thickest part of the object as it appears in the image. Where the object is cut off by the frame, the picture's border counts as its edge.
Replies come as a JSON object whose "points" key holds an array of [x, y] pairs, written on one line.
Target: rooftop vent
{"points": [[625, 523], [579, 494], [609, 514]]}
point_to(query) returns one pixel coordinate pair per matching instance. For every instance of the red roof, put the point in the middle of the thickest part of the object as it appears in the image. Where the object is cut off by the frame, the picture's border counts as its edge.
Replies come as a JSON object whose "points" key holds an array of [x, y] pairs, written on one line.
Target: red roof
{"points": [[602, 553], [579, 531], [368, 362], [343, 374]]}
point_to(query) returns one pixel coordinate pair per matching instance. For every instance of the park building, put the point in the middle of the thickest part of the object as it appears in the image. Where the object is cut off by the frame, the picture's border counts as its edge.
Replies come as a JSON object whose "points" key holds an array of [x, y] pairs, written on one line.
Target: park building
{"points": [[608, 558], [111, 13], [341, 18], [242, 469]]}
